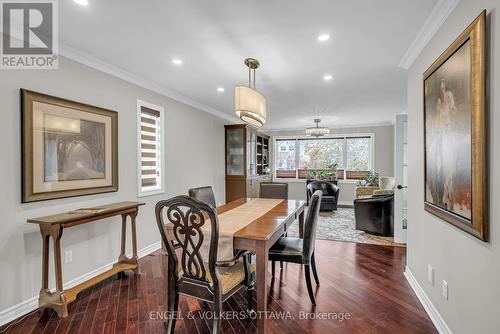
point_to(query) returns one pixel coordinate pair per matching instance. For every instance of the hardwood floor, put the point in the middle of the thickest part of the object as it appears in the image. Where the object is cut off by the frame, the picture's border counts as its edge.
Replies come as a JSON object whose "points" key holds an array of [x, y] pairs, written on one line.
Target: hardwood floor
{"points": [[359, 281]]}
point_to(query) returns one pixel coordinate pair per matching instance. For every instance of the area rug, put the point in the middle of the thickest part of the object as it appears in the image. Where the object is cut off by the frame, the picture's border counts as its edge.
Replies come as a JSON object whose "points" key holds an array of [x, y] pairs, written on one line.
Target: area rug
{"points": [[340, 225]]}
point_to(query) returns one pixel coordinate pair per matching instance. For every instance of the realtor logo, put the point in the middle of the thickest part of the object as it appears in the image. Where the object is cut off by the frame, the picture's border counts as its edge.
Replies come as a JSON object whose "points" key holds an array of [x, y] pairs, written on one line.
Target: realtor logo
{"points": [[29, 35]]}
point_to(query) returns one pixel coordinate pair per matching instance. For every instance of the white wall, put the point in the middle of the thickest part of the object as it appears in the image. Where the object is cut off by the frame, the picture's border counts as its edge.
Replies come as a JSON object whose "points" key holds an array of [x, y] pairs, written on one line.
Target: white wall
{"points": [[194, 157], [471, 267], [383, 159]]}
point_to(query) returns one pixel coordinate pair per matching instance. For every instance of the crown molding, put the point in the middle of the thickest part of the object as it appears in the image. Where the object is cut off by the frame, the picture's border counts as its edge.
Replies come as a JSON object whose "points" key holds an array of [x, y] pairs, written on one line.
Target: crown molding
{"points": [[102, 66], [434, 21]]}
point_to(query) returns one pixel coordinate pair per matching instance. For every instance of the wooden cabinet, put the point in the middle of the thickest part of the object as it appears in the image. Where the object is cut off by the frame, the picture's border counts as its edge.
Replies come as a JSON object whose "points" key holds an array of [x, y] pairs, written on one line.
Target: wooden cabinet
{"points": [[247, 161]]}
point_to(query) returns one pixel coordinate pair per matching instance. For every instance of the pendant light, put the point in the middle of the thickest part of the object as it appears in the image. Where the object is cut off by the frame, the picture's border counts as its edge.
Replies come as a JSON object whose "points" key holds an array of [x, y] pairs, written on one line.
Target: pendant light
{"points": [[317, 131], [249, 104]]}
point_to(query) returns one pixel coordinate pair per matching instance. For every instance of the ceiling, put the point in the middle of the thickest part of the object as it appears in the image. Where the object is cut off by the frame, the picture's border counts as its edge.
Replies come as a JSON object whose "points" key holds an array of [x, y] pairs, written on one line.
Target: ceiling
{"points": [[212, 38]]}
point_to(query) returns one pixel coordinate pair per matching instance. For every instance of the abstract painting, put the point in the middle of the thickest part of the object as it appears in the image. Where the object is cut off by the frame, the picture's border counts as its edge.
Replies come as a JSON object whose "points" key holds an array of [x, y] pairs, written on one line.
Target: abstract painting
{"points": [[455, 133], [69, 148]]}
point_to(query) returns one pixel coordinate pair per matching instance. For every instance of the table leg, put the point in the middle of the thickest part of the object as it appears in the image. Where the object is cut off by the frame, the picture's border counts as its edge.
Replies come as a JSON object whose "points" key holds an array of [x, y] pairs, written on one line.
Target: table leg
{"points": [[45, 262], [57, 260], [124, 236], [301, 224], [134, 241], [261, 285], [123, 258]]}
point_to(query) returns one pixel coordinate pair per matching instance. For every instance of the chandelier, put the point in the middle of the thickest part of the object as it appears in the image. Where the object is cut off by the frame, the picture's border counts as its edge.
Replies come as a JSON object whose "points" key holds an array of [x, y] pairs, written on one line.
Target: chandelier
{"points": [[249, 104], [317, 131]]}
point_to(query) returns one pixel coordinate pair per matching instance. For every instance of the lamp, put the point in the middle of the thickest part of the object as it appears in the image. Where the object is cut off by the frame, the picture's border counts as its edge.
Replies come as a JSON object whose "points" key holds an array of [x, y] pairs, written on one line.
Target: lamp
{"points": [[317, 131], [249, 104]]}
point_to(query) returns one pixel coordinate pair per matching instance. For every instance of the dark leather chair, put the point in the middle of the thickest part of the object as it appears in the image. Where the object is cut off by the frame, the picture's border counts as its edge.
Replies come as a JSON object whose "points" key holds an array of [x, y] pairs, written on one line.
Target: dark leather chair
{"points": [[273, 190], [296, 250], [329, 191], [203, 278], [375, 214], [203, 194]]}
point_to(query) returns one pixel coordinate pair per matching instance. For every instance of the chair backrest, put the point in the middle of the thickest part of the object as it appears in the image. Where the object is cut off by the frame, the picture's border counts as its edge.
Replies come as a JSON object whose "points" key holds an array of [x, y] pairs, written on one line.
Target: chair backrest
{"points": [[273, 190], [327, 188], [188, 215], [203, 194], [310, 225]]}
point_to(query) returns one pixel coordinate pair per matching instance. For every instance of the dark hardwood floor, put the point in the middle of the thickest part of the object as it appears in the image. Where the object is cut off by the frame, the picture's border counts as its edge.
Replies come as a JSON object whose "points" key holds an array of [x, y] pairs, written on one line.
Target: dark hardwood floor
{"points": [[362, 282]]}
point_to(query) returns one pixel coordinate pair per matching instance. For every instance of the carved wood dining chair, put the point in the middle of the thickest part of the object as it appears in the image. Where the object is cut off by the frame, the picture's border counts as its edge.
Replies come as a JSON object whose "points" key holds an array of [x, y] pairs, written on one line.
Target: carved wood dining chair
{"points": [[206, 279], [203, 194], [296, 250]]}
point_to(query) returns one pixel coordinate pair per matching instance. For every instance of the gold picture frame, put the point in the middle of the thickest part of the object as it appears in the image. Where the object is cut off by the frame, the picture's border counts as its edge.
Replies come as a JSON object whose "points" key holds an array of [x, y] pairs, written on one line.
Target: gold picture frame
{"points": [[455, 133], [68, 148]]}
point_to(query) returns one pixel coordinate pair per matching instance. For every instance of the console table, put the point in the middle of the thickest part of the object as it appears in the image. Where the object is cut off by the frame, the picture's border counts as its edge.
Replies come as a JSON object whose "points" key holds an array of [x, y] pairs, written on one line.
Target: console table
{"points": [[53, 226]]}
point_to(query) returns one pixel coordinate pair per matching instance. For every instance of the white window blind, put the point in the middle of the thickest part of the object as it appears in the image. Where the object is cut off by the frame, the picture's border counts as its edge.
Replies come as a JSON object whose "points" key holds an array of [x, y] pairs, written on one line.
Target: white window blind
{"points": [[150, 148]]}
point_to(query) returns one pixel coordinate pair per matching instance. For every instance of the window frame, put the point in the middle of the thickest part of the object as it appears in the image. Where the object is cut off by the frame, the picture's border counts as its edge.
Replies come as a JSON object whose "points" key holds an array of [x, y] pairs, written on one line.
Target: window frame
{"points": [[161, 110], [297, 138]]}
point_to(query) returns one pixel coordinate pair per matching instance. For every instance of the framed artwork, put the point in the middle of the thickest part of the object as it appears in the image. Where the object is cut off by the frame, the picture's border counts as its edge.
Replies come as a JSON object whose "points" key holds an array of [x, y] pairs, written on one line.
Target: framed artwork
{"points": [[68, 148], [455, 133]]}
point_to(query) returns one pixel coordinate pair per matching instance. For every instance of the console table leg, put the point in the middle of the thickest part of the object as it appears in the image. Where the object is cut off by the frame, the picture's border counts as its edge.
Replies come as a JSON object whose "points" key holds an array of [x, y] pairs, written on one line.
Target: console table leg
{"points": [[123, 257], [124, 235], [57, 260], [45, 262], [56, 300], [134, 242]]}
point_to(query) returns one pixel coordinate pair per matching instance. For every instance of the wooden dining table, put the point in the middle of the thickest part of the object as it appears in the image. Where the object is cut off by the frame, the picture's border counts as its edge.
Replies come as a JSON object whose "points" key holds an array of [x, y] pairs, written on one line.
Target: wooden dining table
{"points": [[259, 236]]}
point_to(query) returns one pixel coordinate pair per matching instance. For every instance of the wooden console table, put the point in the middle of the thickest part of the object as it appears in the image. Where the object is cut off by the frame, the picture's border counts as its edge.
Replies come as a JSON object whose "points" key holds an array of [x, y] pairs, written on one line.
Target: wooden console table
{"points": [[52, 226]]}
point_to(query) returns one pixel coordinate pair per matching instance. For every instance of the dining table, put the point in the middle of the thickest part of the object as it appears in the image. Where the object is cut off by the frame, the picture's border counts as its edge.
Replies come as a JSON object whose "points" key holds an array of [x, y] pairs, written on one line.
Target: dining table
{"points": [[258, 236]]}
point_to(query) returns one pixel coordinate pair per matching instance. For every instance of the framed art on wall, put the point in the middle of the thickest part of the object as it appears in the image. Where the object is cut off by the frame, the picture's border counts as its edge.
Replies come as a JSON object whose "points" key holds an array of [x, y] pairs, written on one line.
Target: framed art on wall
{"points": [[455, 133], [68, 148]]}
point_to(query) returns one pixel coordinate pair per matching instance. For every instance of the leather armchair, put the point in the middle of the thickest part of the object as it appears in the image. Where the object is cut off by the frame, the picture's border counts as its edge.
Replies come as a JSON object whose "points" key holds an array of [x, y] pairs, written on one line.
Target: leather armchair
{"points": [[375, 214], [329, 191]]}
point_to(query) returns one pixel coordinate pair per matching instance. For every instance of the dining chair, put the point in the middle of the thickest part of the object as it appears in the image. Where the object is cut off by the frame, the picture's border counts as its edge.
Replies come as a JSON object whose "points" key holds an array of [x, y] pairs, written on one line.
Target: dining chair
{"points": [[273, 190], [206, 279], [203, 194], [301, 251]]}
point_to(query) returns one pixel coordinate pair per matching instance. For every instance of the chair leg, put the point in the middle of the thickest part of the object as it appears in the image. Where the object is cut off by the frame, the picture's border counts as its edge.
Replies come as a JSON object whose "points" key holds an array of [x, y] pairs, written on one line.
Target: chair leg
{"points": [[308, 283], [313, 267], [217, 314], [250, 299], [273, 268], [173, 304]]}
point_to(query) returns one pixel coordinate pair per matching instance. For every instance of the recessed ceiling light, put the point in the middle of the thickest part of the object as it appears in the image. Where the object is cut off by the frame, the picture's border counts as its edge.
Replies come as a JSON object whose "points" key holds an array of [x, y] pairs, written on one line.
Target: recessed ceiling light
{"points": [[323, 37], [82, 2], [177, 61], [220, 89], [328, 77]]}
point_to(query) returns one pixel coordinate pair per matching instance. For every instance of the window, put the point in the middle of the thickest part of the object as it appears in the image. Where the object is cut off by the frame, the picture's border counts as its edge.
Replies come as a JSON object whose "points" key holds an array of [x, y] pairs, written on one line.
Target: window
{"points": [[150, 149], [285, 158], [349, 155]]}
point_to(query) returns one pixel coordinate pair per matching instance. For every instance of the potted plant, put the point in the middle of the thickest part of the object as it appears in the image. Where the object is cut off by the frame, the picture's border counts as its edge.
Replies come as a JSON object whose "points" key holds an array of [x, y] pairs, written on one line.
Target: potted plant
{"points": [[371, 179]]}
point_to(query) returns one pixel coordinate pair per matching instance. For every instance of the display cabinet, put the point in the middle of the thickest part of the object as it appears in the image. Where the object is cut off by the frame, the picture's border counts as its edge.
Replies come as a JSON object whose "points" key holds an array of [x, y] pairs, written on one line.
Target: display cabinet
{"points": [[247, 161]]}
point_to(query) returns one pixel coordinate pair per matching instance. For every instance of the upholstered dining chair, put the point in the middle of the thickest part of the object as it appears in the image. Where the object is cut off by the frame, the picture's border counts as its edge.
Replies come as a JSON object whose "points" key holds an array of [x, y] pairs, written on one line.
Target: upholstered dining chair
{"points": [[301, 251], [194, 275], [203, 194], [276, 190]]}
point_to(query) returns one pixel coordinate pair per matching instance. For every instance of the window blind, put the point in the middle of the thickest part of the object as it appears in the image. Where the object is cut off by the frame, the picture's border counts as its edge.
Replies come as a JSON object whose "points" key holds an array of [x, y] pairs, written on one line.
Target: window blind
{"points": [[150, 149]]}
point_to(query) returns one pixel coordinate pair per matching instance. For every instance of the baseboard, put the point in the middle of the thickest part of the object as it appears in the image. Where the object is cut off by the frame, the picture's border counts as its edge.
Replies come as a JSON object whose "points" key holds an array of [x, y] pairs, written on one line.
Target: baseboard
{"points": [[431, 310], [345, 204], [31, 304]]}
